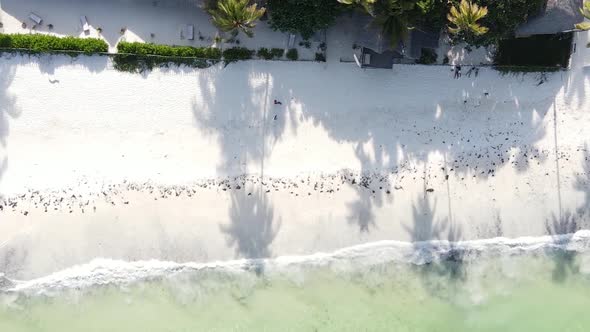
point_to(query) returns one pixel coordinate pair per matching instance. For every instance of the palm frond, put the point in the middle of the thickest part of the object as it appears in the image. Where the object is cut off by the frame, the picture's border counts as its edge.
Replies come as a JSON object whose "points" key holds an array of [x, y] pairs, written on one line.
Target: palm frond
{"points": [[236, 15], [585, 11], [465, 17]]}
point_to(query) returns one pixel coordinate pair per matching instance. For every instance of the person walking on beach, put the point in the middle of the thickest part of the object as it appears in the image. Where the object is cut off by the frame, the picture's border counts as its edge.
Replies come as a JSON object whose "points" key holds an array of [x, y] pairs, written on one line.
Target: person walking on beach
{"points": [[457, 71]]}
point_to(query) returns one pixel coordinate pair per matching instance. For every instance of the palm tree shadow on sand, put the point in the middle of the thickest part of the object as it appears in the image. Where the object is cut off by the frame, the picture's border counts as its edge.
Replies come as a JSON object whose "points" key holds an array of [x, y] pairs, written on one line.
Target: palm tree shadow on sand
{"points": [[252, 227], [8, 110], [562, 230], [443, 269], [562, 227]]}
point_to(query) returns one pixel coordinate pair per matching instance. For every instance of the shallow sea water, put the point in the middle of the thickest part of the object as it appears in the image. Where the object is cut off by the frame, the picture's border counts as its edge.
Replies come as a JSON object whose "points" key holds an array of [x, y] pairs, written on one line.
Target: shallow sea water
{"points": [[539, 288]]}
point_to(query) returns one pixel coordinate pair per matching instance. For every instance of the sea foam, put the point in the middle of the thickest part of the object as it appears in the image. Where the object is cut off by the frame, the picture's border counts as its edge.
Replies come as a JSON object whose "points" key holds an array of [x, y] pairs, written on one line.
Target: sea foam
{"points": [[106, 272]]}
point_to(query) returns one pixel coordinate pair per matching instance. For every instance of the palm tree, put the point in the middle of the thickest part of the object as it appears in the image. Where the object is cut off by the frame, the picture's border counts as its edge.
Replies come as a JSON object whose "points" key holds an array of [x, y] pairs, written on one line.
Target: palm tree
{"points": [[465, 19], [235, 16], [393, 16], [585, 10]]}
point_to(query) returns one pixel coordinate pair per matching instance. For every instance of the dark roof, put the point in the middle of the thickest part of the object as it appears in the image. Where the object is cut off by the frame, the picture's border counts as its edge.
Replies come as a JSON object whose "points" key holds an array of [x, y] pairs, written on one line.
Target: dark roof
{"points": [[381, 60], [422, 39], [558, 16]]}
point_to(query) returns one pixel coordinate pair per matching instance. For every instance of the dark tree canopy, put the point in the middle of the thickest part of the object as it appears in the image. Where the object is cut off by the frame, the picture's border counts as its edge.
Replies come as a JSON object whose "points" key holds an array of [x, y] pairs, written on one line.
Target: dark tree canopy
{"points": [[504, 17], [305, 17]]}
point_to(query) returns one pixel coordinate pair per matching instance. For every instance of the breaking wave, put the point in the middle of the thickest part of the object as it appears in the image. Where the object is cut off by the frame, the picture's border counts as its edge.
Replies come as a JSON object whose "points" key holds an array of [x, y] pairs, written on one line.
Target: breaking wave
{"points": [[108, 272]]}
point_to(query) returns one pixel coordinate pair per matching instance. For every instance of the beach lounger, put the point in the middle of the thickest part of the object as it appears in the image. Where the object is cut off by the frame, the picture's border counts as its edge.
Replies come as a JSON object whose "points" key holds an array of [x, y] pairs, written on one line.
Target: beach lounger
{"points": [[35, 18], [291, 40], [84, 22], [190, 32]]}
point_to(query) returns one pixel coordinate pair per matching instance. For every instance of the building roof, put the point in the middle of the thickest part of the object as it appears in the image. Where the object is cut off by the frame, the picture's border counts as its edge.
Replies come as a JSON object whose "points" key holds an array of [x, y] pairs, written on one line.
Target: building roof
{"points": [[370, 36], [558, 16], [420, 39], [381, 60]]}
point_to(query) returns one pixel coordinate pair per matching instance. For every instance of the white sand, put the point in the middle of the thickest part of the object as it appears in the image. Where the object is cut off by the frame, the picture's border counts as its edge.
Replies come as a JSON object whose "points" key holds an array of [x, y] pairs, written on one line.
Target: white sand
{"points": [[78, 136]]}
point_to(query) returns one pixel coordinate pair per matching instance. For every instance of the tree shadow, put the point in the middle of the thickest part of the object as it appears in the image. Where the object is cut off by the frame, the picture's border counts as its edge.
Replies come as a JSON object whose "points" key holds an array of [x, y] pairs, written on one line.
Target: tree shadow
{"points": [[563, 226], [253, 225], [222, 113], [562, 230], [246, 129], [389, 121], [8, 110], [443, 269], [48, 63], [578, 77], [582, 180]]}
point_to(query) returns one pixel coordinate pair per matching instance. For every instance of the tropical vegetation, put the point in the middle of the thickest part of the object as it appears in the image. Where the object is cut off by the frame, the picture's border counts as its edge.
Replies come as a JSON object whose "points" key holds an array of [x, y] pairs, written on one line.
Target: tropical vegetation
{"points": [[502, 19], [292, 54], [273, 53], [396, 17], [35, 43], [304, 17], [237, 53], [367, 5], [168, 51], [139, 57], [464, 19], [236, 15], [585, 10]]}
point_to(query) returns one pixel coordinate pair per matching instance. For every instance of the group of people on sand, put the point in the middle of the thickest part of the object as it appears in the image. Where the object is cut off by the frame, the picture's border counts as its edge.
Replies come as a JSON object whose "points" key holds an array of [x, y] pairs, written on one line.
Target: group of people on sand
{"points": [[472, 70]]}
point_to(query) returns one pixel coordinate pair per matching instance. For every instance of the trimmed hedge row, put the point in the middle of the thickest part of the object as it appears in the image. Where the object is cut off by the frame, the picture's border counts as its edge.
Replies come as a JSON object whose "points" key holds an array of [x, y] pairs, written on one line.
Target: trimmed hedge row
{"points": [[237, 53], [273, 53], [136, 57], [140, 63], [170, 51], [36, 43], [144, 56]]}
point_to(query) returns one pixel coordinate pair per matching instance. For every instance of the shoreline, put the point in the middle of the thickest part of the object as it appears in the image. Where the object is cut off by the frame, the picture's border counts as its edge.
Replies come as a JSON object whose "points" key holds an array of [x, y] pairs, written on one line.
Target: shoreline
{"points": [[107, 272]]}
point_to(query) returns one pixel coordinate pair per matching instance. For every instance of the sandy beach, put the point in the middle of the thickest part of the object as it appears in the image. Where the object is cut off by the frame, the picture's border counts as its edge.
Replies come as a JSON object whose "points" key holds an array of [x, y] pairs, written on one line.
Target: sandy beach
{"points": [[202, 165]]}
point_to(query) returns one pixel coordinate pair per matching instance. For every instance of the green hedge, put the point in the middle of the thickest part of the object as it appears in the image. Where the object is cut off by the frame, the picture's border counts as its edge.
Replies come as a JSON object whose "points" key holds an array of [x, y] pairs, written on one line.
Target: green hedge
{"points": [[170, 51], [292, 54], [37, 43], [237, 53], [144, 56], [273, 53]]}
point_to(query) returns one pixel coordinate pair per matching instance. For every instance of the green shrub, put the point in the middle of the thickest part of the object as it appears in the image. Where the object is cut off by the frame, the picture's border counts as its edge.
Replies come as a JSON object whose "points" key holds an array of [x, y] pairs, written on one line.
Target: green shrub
{"points": [[140, 63], [237, 53], [168, 51], [264, 53], [305, 43], [427, 57], [273, 53], [37, 43], [320, 57], [138, 57], [277, 52], [292, 54], [302, 16]]}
